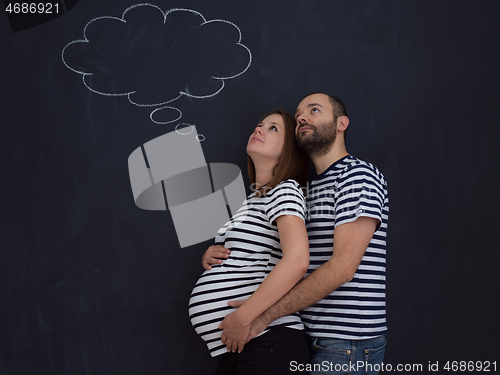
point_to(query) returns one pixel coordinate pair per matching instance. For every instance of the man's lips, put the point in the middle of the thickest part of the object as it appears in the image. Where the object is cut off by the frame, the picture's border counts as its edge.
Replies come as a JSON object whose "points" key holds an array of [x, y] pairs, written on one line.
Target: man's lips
{"points": [[303, 128]]}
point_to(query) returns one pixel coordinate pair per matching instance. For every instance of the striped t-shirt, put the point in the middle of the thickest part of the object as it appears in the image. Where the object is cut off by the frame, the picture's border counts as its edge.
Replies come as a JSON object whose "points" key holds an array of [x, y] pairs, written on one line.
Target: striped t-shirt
{"points": [[252, 236], [348, 189]]}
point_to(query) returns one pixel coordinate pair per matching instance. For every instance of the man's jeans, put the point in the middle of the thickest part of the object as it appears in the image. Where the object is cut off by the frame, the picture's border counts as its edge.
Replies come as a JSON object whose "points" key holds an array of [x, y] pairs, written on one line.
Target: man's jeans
{"points": [[353, 357]]}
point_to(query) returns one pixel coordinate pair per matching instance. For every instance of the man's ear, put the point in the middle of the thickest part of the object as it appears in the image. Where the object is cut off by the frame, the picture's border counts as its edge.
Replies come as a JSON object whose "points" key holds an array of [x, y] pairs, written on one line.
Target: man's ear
{"points": [[342, 123]]}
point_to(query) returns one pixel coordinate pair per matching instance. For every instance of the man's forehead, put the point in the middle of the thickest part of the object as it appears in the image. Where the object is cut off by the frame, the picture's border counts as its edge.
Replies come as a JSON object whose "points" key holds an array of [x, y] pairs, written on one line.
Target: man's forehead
{"points": [[320, 100]]}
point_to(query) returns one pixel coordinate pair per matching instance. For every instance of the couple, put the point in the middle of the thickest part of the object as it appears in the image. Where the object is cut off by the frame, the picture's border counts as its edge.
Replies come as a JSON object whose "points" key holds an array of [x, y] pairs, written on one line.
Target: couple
{"points": [[246, 304]]}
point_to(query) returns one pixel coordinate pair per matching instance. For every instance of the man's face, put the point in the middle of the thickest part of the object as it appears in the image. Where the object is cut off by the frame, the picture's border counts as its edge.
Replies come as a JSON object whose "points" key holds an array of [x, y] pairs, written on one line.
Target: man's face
{"points": [[316, 128]]}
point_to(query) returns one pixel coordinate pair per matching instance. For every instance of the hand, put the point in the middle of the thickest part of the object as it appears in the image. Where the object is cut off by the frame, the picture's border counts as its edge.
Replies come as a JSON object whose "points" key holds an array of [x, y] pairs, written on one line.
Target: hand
{"points": [[256, 327], [214, 255], [235, 332], [259, 324]]}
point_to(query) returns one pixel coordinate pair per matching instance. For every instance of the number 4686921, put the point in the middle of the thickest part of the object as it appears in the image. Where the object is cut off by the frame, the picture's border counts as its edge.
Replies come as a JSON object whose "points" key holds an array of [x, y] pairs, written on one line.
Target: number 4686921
{"points": [[477, 366], [24, 8]]}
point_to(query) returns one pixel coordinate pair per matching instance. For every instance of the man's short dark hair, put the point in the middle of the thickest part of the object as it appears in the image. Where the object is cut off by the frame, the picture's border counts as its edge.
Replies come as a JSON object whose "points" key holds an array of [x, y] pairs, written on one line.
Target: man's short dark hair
{"points": [[337, 105]]}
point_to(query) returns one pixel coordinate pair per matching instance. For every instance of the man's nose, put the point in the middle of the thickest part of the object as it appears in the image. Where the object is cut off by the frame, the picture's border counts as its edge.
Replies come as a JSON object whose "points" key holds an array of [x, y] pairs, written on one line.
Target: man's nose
{"points": [[301, 119]]}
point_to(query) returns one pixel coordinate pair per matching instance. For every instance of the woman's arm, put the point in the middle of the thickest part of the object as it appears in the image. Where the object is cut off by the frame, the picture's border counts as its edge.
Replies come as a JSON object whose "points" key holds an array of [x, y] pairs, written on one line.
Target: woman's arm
{"points": [[283, 277]]}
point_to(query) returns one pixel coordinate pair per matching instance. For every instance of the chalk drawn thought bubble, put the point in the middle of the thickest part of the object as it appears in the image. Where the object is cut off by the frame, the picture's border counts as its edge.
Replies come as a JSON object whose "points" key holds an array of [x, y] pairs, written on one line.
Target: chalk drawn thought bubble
{"points": [[154, 57]]}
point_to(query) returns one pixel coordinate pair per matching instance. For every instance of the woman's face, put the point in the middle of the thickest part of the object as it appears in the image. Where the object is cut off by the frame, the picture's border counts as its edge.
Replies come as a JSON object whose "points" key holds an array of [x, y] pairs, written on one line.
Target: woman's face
{"points": [[268, 138]]}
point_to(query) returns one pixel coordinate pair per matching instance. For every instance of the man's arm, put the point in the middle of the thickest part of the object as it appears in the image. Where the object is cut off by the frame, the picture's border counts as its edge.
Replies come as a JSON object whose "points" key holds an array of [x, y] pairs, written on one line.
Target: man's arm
{"points": [[349, 243]]}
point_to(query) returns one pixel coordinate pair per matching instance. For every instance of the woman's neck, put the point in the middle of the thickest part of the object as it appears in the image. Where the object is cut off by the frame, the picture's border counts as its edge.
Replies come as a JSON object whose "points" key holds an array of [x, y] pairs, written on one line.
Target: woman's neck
{"points": [[263, 173]]}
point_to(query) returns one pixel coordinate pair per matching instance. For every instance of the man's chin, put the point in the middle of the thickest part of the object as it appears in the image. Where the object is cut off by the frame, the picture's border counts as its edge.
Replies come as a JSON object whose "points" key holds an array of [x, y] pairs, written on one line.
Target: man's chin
{"points": [[304, 137]]}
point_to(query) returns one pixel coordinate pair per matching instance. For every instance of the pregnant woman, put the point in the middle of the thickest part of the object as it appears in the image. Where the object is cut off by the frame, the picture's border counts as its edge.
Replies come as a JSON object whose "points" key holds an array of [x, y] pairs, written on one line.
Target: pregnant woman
{"points": [[266, 253]]}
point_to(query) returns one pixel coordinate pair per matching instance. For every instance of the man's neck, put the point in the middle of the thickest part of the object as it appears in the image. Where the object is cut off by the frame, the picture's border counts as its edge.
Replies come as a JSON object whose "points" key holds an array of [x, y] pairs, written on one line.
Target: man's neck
{"points": [[322, 162]]}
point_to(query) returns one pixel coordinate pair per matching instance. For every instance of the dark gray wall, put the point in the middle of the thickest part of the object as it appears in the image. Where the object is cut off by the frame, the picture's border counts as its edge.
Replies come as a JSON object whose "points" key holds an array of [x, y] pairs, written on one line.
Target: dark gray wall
{"points": [[91, 284]]}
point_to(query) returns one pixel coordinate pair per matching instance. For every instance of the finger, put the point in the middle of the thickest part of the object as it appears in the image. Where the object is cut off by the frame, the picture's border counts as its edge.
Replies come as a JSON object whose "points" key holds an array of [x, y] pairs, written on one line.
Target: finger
{"points": [[217, 248], [241, 344], [214, 260], [229, 344], [237, 303], [221, 254], [207, 264], [235, 347]]}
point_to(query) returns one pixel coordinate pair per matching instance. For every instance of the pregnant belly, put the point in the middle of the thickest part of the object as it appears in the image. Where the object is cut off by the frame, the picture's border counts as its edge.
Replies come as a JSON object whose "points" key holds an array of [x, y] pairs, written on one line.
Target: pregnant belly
{"points": [[209, 300]]}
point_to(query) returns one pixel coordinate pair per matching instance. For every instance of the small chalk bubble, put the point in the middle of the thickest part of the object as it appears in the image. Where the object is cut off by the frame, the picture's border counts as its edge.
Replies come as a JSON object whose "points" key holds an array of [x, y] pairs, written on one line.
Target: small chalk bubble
{"points": [[184, 129], [200, 137], [165, 115]]}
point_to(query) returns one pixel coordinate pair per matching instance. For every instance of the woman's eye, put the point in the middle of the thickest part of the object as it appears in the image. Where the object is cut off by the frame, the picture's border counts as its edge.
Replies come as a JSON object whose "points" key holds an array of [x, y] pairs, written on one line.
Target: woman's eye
{"points": [[274, 128]]}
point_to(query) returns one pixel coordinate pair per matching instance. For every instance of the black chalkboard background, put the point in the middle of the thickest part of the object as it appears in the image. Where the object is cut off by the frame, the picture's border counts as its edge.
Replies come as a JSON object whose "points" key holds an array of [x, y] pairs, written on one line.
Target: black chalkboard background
{"points": [[91, 284]]}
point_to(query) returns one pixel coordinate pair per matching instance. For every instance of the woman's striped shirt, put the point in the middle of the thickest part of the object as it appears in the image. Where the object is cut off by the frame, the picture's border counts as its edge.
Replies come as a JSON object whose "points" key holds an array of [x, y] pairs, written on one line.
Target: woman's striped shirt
{"points": [[252, 237]]}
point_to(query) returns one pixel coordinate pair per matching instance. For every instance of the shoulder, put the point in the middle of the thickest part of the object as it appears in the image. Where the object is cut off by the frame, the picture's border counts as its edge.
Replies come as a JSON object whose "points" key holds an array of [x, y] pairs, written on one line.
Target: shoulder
{"points": [[286, 192], [286, 198], [359, 169], [285, 187]]}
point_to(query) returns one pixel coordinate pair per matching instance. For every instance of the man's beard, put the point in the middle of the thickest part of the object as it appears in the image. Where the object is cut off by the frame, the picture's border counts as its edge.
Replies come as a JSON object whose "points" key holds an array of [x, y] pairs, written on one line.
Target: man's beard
{"points": [[318, 143]]}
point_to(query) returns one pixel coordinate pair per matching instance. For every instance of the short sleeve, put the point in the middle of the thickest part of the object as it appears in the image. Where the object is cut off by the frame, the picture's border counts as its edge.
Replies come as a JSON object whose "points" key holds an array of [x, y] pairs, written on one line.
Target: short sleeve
{"points": [[286, 199], [361, 191]]}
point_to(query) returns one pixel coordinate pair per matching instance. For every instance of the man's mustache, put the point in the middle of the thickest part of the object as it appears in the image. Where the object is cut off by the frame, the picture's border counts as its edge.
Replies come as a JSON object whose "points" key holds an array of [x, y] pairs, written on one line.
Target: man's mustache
{"points": [[312, 127]]}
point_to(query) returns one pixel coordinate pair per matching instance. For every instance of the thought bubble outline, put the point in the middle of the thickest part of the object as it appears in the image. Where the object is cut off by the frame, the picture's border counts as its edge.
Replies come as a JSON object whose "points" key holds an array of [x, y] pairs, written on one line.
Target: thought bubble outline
{"points": [[181, 93]]}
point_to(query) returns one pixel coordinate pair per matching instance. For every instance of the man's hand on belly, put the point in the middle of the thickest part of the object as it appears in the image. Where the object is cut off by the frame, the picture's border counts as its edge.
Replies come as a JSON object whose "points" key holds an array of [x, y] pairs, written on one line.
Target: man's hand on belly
{"points": [[235, 332]]}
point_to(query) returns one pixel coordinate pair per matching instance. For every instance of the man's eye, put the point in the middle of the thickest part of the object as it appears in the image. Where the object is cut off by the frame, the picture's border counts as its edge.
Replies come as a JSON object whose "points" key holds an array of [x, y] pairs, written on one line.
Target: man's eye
{"points": [[314, 110]]}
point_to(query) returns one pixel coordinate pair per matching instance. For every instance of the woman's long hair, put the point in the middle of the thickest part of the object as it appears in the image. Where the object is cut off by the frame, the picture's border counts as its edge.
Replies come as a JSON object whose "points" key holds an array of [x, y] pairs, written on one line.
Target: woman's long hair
{"points": [[293, 162]]}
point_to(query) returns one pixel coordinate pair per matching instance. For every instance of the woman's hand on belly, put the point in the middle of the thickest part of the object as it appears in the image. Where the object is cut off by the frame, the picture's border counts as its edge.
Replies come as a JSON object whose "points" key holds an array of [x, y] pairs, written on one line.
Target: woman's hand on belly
{"points": [[215, 254]]}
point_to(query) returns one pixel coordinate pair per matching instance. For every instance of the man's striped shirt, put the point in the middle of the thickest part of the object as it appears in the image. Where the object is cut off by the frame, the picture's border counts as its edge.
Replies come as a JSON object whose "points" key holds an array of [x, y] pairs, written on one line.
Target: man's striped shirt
{"points": [[348, 189]]}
